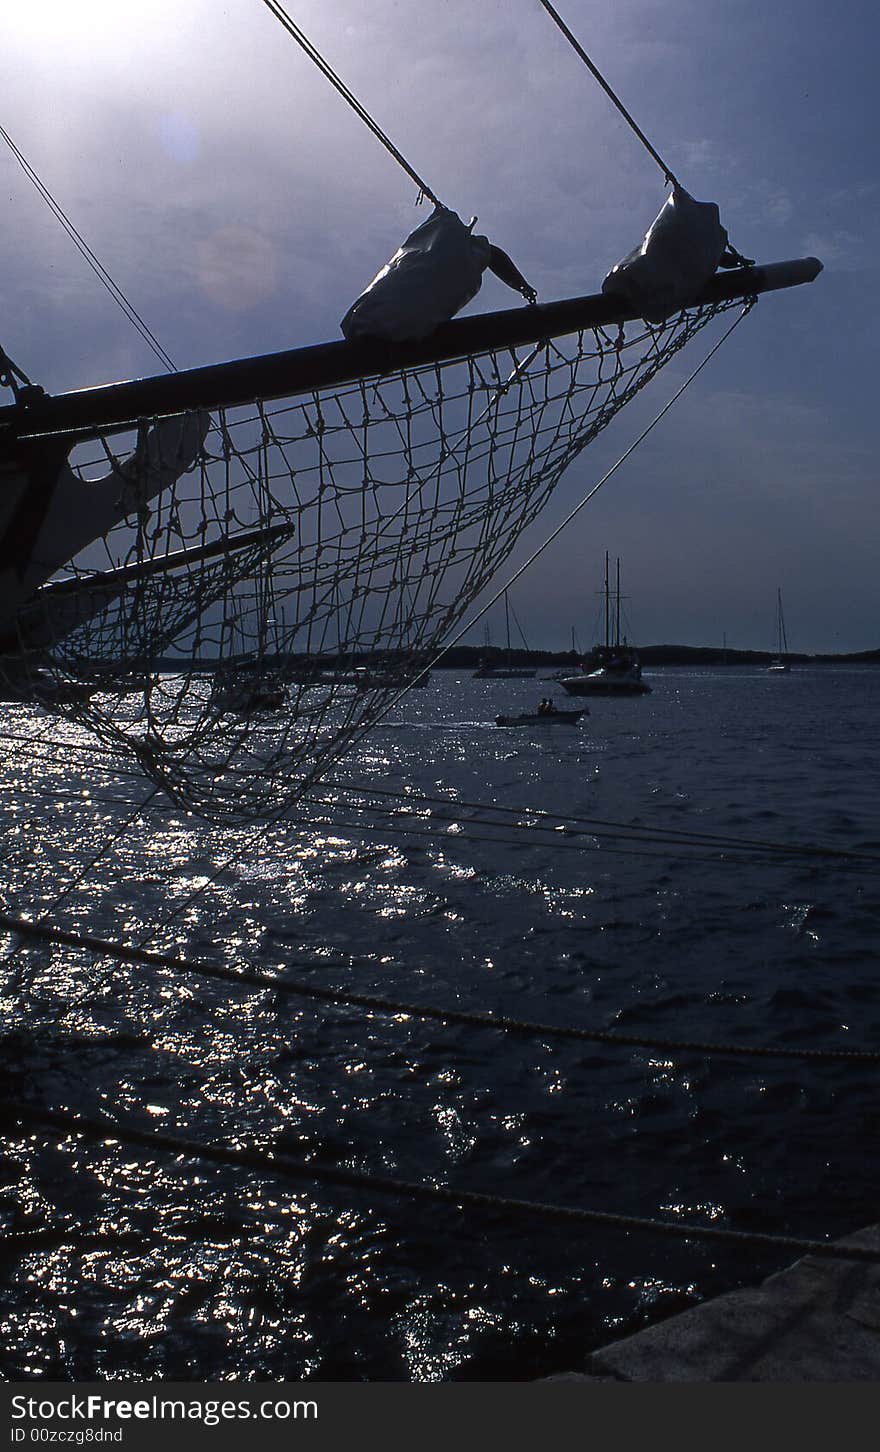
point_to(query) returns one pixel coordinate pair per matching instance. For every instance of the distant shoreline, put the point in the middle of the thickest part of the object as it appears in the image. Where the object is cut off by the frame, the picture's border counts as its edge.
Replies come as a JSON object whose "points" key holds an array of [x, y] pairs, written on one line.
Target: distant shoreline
{"points": [[468, 657], [462, 656]]}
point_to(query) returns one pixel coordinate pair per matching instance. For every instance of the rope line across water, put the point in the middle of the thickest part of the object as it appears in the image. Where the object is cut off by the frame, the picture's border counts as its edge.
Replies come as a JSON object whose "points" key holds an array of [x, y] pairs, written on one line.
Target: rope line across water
{"points": [[248, 978], [288, 1169]]}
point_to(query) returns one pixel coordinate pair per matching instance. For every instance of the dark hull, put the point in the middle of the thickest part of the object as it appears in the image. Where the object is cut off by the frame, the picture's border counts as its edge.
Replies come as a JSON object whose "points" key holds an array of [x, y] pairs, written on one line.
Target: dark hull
{"points": [[549, 718], [504, 675], [589, 687]]}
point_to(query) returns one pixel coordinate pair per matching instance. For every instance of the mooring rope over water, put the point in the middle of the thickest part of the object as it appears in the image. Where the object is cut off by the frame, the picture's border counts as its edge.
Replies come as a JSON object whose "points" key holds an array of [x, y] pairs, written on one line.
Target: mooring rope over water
{"points": [[249, 978], [603, 826], [676, 851], [568, 825], [266, 1162]]}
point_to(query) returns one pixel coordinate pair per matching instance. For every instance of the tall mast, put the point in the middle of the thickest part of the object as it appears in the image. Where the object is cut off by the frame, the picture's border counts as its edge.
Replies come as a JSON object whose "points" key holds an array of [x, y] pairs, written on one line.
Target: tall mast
{"points": [[507, 620], [617, 630], [607, 606], [783, 643]]}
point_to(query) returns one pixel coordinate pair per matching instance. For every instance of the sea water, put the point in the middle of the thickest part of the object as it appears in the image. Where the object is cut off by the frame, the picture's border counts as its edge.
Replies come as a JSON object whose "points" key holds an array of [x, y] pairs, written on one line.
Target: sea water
{"points": [[126, 1262]]}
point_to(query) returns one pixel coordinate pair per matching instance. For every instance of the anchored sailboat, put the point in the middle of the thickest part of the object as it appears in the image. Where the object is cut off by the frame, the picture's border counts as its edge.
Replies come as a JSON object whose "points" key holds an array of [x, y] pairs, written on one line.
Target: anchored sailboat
{"points": [[779, 662], [616, 670], [487, 672]]}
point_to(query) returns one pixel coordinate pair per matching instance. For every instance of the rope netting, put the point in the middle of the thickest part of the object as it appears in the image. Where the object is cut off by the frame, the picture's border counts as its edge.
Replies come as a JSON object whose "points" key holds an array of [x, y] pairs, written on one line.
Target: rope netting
{"points": [[253, 614]]}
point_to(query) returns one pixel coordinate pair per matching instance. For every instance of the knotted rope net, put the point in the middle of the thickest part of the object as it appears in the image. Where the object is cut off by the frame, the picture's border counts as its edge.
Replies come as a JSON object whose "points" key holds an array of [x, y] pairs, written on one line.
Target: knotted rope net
{"points": [[244, 623]]}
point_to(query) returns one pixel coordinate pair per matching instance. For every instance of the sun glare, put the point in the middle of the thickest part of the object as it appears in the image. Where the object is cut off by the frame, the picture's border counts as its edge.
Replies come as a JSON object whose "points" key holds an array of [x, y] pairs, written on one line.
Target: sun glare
{"points": [[90, 27]]}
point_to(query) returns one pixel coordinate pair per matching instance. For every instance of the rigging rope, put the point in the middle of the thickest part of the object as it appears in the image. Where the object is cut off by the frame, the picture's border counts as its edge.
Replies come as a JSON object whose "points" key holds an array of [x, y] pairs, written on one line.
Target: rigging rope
{"points": [[85, 754], [741, 261], [326, 69], [638, 833], [268, 1163], [573, 41], [373, 1003], [86, 252], [11, 376], [559, 844]]}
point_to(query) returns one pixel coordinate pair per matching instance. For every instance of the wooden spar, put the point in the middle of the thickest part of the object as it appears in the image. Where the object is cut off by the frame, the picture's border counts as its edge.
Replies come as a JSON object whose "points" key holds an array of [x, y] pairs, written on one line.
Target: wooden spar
{"points": [[163, 564], [92, 411]]}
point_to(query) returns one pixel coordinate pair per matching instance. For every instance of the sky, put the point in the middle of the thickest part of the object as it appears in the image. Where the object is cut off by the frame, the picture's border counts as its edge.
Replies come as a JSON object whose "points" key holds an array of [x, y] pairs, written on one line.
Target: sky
{"points": [[242, 207]]}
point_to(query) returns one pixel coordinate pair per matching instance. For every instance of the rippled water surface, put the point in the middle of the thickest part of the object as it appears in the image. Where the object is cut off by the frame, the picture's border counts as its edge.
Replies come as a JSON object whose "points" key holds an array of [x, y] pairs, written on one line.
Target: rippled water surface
{"points": [[130, 1261]]}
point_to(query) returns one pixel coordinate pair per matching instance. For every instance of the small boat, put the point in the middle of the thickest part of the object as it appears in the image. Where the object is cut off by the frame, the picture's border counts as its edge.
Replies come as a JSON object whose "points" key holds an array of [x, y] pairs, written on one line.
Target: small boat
{"points": [[503, 673], [243, 693], [779, 663], [616, 667], [543, 718], [368, 678], [358, 676], [39, 686]]}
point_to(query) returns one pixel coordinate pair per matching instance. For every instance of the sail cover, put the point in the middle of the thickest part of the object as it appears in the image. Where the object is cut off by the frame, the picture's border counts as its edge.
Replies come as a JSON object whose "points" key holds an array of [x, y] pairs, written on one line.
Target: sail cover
{"points": [[432, 275], [681, 250]]}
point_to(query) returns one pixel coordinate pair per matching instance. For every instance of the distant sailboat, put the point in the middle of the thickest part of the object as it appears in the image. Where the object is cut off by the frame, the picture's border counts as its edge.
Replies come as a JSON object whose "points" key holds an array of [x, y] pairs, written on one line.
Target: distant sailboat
{"points": [[616, 670], [485, 671], [779, 662]]}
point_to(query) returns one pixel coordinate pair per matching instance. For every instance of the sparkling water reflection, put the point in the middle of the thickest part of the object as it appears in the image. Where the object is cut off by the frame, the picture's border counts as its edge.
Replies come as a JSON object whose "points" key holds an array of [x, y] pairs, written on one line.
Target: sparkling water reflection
{"points": [[128, 1262]]}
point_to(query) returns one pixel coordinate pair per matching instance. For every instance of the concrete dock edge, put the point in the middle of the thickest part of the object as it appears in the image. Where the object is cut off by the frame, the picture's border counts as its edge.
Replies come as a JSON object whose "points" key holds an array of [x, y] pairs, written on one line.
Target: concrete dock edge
{"points": [[816, 1321]]}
